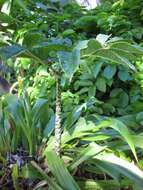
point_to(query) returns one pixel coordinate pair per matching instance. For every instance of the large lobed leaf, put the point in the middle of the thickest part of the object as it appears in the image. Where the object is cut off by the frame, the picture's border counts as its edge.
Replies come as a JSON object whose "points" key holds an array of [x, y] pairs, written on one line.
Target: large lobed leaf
{"points": [[120, 52], [69, 62]]}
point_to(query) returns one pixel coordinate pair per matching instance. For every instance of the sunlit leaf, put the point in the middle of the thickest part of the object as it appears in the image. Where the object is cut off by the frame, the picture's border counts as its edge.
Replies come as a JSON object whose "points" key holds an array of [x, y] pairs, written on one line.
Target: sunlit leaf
{"points": [[121, 167]]}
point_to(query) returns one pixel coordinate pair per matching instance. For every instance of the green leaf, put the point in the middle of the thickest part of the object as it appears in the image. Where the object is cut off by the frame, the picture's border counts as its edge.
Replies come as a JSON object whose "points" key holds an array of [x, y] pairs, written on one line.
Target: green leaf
{"points": [[15, 176], [123, 130], [11, 51], [22, 5], [123, 99], [114, 57], [92, 46], [38, 108], [96, 137], [82, 44], [107, 168], [39, 105], [118, 126], [102, 38], [115, 92], [83, 83], [86, 154], [138, 140], [119, 98], [44, 48], [92, 91], [109, 71], [127, 47], [69, 62], [77, 131], [4, 18], [60, 172], [73, 116], [52, 184], [88, 184], [129, 120], [96, 68], [86, 22], [68, 32], [124, 75], [32, 39], [139, 117], [49, 127], [121, 167], [101, 84]]}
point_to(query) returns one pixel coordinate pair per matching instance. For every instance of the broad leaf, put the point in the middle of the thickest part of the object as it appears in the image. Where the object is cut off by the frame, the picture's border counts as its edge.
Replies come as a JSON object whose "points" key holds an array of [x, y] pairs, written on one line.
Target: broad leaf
{"points": [[124, 75], [127, 47], [69, 62], [92, 46], [11, 51], [102, 38], [114, 57], [109, 71], [101, 84], [96, 68]]}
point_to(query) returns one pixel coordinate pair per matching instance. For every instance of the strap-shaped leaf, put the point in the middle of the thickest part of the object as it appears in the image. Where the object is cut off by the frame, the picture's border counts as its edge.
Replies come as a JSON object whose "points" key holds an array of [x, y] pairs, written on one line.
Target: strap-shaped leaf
{"points": [[86, 154], [110, 162], [60, 172], [118, 126], [125, 133], [88, 184], [52, 184]]}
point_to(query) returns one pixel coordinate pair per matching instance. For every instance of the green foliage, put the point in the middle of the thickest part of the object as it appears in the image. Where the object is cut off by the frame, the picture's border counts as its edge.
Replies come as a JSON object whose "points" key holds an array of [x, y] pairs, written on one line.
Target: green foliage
{"points": [[26, 119], [101, 83], [69, 62], [60, 172]]}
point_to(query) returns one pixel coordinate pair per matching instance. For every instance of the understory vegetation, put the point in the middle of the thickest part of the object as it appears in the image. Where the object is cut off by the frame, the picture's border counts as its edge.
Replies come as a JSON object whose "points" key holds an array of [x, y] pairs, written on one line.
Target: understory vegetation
{"points": [[71, 95]]}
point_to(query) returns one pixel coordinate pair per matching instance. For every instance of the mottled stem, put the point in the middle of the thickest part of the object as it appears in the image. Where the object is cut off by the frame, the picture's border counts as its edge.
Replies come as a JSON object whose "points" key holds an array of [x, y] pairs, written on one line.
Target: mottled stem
{"points": [[58, 117]]}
